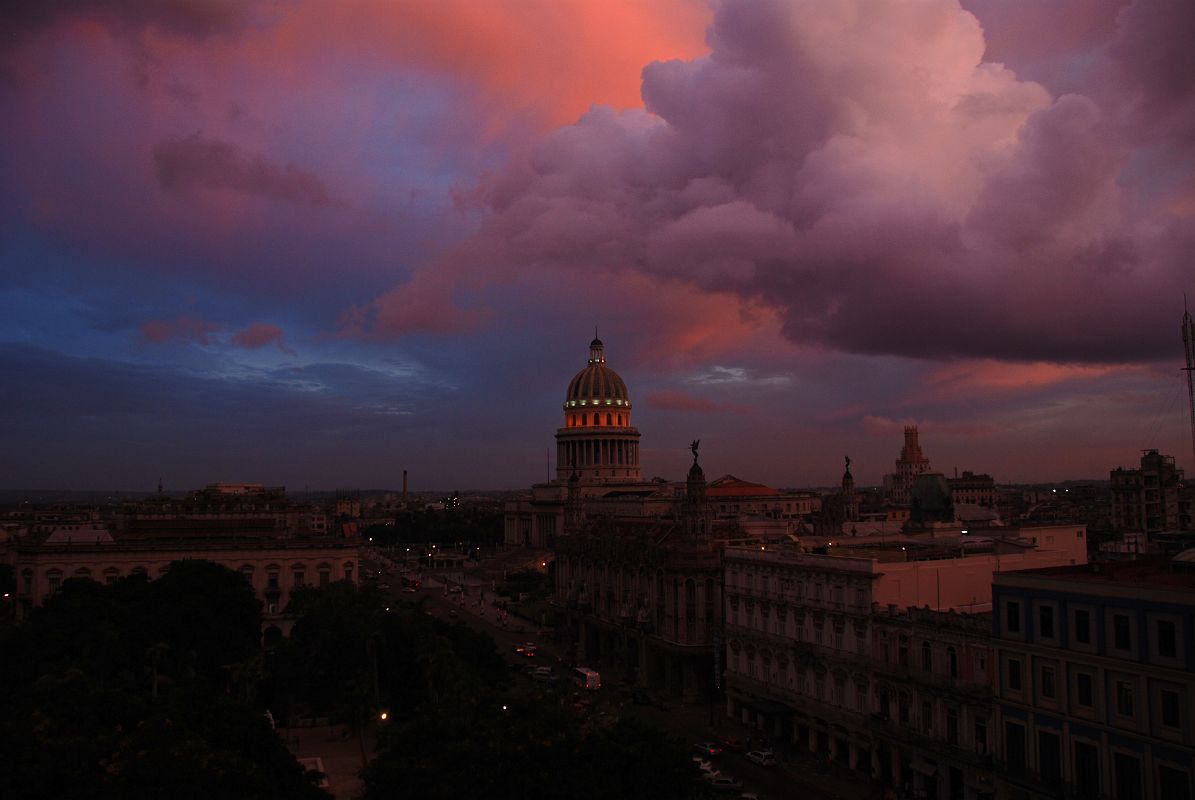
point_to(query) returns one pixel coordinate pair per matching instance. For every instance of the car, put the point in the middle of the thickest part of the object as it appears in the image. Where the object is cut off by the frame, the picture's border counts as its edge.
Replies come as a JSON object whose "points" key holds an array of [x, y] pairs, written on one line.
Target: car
{"points": [[452, 613], [455, 590], [764, 758], [708, 775], [702, 764], [541, 674], [707, 749], [385, 587], [725, 783]]}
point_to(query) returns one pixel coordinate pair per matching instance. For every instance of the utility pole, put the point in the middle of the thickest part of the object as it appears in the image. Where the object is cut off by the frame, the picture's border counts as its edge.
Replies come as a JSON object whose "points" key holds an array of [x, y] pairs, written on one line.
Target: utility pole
{"points": [[1189, 347]]}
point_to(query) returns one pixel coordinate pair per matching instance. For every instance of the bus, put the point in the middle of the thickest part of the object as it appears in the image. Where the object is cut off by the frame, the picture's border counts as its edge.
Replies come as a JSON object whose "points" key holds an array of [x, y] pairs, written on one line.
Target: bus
{"points": [[587, 678]]}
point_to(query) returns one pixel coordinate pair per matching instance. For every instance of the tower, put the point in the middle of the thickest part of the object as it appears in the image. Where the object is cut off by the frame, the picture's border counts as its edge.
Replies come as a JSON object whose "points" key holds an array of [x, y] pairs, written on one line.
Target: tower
{"points": [[850, 502], [598, 441], [912, 462]]}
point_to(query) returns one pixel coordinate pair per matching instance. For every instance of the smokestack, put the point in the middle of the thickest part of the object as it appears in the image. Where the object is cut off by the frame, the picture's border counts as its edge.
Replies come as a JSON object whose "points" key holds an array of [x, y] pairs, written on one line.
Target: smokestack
{"points": [[404, 486]]}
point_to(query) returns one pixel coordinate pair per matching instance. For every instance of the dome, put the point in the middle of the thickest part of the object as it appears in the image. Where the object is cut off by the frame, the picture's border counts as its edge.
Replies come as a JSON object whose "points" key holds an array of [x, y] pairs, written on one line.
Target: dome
{"points": [[597, 384]]}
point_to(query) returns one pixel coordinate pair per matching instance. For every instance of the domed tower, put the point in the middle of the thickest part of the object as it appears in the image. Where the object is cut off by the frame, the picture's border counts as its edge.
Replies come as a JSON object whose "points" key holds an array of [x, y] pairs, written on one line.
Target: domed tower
{"points": [[597, 438]]}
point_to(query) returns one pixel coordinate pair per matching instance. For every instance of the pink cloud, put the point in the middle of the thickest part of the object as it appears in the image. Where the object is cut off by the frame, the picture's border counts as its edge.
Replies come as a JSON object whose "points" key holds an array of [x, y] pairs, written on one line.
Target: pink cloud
{"points": [[903, 197], [676, 400], [259, 335], [183, 328]]}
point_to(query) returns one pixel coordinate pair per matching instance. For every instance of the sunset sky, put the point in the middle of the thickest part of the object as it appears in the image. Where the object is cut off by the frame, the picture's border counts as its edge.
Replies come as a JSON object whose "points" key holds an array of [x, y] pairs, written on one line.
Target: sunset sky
{"points": [[315, 244]]}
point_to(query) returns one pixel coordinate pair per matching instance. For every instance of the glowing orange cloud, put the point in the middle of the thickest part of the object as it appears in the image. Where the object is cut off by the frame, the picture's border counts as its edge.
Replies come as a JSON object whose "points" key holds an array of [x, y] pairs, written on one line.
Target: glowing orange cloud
{"points": [[992, 375], [550, 58]]}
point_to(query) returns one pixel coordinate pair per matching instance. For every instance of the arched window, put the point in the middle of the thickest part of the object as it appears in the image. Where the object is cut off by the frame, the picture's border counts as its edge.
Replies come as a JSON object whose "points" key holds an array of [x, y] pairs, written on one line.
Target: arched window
{"points": [[54, 580], [608, 419], [325, 574], [299, 571], [927, 657], [620, 419]]}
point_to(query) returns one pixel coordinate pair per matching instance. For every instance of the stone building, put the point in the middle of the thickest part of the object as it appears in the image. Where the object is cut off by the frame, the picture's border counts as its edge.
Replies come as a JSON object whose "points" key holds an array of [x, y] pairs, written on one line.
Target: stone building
{"points": [[1096, 689], [1152, 498], [873, 652], [912, 462], [598, 443], [640, 592]]}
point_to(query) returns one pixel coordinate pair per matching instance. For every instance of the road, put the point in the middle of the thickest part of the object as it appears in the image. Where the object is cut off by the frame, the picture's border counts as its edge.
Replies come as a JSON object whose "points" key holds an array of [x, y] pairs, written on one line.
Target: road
{"points": [[690, 722]]}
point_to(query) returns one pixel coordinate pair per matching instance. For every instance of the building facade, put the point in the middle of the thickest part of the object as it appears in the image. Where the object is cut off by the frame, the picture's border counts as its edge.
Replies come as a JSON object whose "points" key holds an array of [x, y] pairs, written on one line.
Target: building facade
{"points": [[640, 593], [1152, 498], [1096, 689], [912, 462], [598, 443]]}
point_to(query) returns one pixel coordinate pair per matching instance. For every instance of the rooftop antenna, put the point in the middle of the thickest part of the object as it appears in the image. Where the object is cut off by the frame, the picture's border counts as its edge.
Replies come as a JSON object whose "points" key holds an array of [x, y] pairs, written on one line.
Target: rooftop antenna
{"points": [[1189, 347]]}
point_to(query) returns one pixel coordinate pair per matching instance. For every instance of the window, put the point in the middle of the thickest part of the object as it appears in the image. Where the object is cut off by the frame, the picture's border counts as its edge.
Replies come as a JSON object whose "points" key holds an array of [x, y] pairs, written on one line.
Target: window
{"points": [[1047, 683], [1173, 782], [1083, 689], [1082, 626], [1012, 616], [952, 661], [608, 420], [951, 726], [1168, 700], [1124, 698], [300, 576], [272, 578], [1014, 674], [1087, 768], [927, 657], [981, 735], [325, 575], [348, 572], [1120, 632], [902, 657], [903, 708], [1049, 758], [1167, 642], [54, 580], [927, 716], [1045, 622], [1014, 742], [1127, 772]]}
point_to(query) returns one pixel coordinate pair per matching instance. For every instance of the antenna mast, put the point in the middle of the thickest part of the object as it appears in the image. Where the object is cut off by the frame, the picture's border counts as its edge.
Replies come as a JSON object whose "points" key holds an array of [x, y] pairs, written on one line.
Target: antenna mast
{"points": [[1189, 347]]}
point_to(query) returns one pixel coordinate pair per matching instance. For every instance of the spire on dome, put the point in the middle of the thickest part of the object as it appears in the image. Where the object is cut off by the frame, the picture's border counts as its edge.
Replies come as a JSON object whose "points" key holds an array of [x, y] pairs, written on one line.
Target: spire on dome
{"points": [[596, 349]]}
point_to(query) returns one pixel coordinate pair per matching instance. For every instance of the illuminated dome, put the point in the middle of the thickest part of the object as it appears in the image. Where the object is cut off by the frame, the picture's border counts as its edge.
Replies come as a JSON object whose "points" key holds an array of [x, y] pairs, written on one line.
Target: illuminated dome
{"points": [[597, 384], [598, 442]]}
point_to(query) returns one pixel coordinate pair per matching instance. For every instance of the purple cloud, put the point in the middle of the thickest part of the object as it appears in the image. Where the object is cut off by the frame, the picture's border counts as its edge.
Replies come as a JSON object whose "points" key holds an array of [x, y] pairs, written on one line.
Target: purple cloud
{"points": [[859, 169], [183, 164]]}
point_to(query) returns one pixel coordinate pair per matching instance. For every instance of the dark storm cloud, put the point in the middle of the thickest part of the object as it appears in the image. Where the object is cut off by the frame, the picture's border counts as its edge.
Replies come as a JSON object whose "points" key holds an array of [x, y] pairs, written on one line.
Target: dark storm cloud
{"points": [[182, 164], [192, 18]]}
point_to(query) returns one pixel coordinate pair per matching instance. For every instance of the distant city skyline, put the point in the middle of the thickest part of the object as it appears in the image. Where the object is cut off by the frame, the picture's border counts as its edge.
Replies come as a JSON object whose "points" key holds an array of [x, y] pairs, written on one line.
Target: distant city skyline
{"points": [[310, 246]]}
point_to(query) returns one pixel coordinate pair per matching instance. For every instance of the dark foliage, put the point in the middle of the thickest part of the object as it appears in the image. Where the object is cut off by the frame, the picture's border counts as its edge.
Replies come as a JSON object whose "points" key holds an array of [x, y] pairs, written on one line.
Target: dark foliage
{"points": [[136, 690]]}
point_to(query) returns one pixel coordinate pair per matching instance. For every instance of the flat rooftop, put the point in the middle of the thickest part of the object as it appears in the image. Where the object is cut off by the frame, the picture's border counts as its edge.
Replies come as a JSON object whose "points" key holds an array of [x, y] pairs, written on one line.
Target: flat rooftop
{"points": [[1140, 572]]}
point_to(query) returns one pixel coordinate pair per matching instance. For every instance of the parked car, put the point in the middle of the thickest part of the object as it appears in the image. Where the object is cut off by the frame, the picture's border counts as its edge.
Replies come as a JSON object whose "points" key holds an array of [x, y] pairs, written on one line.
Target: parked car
{"points": [[702, 764], [764, 758], [707, 749], [725, 783], [541, 674]]}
